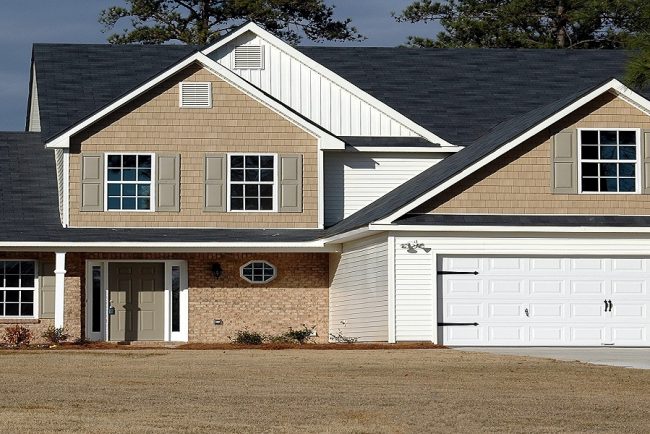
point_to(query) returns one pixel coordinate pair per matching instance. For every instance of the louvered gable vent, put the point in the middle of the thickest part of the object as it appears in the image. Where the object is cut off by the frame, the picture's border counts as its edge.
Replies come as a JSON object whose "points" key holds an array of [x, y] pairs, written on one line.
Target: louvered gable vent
{"points": [[196, 95], [249, 57]]}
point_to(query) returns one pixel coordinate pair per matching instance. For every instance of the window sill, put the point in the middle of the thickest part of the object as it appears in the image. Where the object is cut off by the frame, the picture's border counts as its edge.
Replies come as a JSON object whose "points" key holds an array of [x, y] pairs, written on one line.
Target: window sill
{"points": [[19, 321]]}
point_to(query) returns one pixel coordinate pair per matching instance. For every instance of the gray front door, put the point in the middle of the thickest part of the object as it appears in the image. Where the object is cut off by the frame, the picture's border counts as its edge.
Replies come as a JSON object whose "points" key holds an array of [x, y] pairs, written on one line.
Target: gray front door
{"points": [[137, 292]]}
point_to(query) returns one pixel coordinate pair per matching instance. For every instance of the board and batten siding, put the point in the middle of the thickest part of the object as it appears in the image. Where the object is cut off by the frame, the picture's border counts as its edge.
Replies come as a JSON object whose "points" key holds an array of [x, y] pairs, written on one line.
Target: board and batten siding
{"points": [[358, 302], [310, 93], [414, 274], [354, 180]]}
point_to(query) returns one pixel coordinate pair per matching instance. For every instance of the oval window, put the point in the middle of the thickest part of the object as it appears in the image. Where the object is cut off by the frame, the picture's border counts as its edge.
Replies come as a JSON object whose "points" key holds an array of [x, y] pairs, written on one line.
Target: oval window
{"points": [[257, 272]]}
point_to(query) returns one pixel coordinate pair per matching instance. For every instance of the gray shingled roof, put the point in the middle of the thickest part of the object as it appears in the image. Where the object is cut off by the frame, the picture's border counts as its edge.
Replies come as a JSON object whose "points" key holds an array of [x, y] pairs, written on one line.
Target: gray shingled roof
{"points": [[29, 208], [524, 220], [75, 81], [460, 94]]}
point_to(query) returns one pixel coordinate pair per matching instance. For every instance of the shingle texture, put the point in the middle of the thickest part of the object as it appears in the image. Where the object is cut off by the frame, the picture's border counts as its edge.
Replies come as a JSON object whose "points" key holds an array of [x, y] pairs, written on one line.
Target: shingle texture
{"points": [[460, 94], [74, 81]]}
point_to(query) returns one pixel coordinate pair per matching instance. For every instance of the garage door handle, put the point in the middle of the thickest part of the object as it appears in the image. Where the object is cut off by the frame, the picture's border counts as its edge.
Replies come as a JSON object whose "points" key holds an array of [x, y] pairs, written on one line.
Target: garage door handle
{"points": [[608, 305]]}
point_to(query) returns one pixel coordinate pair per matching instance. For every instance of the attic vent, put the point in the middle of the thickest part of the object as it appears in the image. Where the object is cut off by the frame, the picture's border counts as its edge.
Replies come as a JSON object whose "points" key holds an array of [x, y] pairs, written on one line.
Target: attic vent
{"points": [[196, 95], [249, 57]]}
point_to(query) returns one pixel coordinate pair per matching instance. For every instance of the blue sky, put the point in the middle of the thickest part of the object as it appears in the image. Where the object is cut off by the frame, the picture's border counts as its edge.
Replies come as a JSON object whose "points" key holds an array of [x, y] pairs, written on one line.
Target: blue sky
{"points": [[25, 22]]}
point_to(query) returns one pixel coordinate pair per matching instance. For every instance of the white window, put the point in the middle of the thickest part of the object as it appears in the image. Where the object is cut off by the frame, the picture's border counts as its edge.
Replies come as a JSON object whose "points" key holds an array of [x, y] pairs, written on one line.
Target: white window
{"points": [[609, 160], [249, 57], [17, 288], [195, 95], [252, 182], [258, 272], [129, 182]]}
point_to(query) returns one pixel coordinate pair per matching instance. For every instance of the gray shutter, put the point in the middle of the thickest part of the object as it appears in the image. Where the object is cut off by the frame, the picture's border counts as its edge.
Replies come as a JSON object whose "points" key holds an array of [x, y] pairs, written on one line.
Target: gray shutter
{"points": [[168, 181], [92, 182], [645, 168], [215, 182], [46, 288], [290, 183], [564, 155]]}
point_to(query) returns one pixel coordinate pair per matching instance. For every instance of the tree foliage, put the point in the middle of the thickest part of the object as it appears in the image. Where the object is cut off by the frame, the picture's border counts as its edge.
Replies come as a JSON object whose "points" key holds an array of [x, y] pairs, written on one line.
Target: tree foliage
{"points": [[529, 23], [204, 21]]}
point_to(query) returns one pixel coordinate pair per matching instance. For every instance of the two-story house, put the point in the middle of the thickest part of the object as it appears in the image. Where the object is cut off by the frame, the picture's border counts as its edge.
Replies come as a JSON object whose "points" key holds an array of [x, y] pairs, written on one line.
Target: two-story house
{"points": [[465, 197]]}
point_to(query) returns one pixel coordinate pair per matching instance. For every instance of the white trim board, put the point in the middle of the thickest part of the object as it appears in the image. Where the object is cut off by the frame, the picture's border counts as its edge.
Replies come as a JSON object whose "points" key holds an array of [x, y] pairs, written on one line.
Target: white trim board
{"points": [[613, 85], [330, 75], [326, 140]]}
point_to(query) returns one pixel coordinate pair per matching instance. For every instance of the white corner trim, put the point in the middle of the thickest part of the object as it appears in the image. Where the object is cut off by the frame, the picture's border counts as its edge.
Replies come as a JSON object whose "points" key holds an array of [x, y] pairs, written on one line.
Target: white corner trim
{"points": [[321, 190], [612, 85], [66, 188], [330, 75], [326, 139], [392, 334]]}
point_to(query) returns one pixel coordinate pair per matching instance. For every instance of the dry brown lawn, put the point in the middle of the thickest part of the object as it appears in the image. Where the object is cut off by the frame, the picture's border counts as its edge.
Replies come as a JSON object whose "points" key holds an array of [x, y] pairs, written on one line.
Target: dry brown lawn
{"points": [[314, 391]]}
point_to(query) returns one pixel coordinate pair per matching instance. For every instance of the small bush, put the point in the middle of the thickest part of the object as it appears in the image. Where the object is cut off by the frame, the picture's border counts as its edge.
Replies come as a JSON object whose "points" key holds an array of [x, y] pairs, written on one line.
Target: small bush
{"points": [[55, 335], [248, 338], [340, 338], [17, 335], [300, 336]]}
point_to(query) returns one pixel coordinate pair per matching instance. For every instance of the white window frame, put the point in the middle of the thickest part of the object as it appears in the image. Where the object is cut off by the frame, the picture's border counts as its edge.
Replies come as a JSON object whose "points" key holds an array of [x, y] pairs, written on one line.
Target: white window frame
{"points": [[182, 84], [275, 180], [36, 289], [152, 201], [275, 271], [637, 161]]}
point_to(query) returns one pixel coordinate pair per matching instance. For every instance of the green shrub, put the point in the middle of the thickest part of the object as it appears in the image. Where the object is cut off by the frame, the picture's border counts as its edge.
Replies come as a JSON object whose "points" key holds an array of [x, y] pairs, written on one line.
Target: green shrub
{"points": [[300, 336], [55, 335], [17, 335], [248, 338]]}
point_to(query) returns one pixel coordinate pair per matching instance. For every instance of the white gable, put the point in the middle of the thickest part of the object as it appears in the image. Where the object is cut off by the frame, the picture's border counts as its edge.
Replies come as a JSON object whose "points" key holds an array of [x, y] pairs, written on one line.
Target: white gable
{"points": [[313, 91]]}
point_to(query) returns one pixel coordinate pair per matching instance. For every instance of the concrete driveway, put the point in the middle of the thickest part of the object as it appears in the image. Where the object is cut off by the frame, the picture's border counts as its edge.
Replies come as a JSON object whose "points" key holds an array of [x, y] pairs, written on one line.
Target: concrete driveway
{"points": [[638, 358]]}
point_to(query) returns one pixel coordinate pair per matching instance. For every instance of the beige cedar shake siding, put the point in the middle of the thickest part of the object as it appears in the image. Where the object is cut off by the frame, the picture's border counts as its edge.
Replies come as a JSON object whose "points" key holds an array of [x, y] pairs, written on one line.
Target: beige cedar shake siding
{"points": [[297, 296], [520, 181], [236, 123]]}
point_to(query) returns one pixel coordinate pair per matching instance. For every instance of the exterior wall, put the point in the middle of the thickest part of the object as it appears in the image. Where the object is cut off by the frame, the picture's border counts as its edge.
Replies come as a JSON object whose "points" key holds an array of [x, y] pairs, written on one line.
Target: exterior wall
{"points": [[520, 182], [311, 93], [416, 282], [358, 301], [297, 296], [355, 179], [72, 306], [236, 123]]}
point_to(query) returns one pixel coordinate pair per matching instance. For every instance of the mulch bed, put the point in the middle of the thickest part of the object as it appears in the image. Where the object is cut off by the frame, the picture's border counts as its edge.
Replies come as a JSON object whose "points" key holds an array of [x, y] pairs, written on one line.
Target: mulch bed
{"points": [[230, 346]]}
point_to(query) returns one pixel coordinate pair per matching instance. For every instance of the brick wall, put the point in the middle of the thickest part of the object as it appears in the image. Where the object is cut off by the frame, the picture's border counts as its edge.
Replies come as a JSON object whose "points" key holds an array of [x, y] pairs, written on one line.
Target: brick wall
{"points": [[236, 123], [520, 181], [297, 296]]}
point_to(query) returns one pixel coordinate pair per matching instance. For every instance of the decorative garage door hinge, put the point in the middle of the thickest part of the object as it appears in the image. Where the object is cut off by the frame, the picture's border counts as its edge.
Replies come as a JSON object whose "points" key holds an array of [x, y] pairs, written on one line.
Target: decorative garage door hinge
{"points": [[441, 272], [446, 324]]}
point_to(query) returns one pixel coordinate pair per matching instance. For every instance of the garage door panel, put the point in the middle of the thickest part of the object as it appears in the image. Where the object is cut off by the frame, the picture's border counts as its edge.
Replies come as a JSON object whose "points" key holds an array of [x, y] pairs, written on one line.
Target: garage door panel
{"points": [[464, 311], [506, 264], [582, 335], [629, 311], [623, 287], [463, 264], [629, 264], [506, 335], [587, 287], [546, 264], [545, 335], [594, 264], [463, 335], [547, 288], [463, 287], [547, 311], [625, 334], [504, 310], [587, 310], [505, 287]]}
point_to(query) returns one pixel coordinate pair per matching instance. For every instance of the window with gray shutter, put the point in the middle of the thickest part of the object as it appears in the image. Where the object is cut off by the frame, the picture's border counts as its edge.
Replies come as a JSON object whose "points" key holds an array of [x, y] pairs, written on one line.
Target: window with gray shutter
{"points": [[290, 188], [215, 182], [47, 289], [92, 182], [565, 163], [168, 175]]}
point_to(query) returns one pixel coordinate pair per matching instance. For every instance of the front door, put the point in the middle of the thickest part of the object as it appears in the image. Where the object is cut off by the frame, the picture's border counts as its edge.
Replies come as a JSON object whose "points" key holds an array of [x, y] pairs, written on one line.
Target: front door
{"points": [[137, 293]]}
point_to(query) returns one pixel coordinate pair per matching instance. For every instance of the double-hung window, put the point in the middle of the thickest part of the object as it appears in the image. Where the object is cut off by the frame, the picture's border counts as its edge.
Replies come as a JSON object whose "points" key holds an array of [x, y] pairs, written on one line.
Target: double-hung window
{"points": [[129, 182], [252, 182], [17, 288], [609, 160]]}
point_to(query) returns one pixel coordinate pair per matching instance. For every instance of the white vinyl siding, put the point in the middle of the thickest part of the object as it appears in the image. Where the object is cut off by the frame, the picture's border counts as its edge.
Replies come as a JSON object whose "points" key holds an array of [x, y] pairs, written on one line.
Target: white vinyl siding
{"points": [[34, 122], [359, 290], [353, 180], [310, 93]]}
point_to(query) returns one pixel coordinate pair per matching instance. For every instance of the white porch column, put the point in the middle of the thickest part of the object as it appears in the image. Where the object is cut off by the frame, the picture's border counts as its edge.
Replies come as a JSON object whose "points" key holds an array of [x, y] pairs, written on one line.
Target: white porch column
{"points": [[59, 294]]}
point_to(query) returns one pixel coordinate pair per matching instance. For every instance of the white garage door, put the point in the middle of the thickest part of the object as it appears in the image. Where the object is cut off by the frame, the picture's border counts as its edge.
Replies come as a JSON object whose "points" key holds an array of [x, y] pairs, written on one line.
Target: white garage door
{"points": [[543, 301]]}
